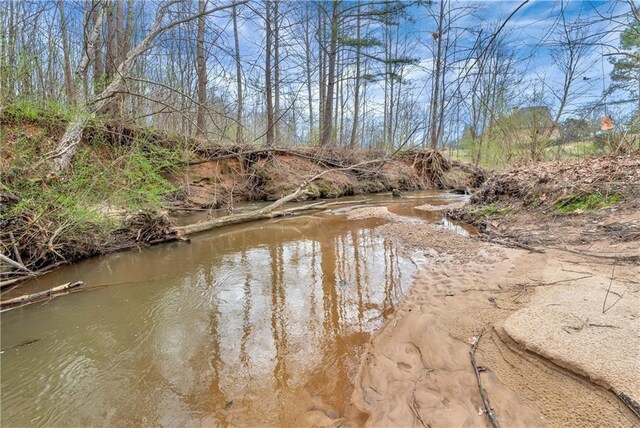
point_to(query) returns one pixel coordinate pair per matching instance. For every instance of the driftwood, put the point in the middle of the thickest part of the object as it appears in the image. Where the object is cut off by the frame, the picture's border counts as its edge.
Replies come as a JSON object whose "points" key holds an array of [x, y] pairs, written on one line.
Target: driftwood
{"points": [[483, 393], [41, 295]]}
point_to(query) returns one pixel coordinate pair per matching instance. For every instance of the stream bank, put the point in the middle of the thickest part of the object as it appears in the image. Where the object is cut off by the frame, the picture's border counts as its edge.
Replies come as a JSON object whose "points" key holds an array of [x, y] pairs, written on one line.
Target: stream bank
{"points": [[128, 184]]}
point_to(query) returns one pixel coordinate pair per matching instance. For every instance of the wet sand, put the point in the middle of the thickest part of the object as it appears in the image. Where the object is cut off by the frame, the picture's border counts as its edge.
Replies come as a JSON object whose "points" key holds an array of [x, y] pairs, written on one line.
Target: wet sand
{"points": [[548, 361]]}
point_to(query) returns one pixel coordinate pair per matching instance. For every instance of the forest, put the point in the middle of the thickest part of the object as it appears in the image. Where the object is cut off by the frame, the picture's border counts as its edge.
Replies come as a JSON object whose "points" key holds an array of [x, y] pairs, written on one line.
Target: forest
{"points": [[319, 213], [378, 75]]}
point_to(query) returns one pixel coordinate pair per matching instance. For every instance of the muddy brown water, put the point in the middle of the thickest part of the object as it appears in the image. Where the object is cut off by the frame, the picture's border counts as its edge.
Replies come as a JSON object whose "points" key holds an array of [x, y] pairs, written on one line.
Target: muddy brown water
{"points": [[252, 325]]}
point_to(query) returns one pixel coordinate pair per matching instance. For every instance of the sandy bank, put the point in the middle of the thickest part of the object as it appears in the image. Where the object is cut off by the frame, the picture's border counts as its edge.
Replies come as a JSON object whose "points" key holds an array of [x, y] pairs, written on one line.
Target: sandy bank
{"points": [[560, 369]]}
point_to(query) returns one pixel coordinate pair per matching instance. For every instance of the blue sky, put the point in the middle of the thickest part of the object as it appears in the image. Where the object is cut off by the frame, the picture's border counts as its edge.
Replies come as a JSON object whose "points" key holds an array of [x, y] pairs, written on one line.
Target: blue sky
{"points": [[530, 34]]}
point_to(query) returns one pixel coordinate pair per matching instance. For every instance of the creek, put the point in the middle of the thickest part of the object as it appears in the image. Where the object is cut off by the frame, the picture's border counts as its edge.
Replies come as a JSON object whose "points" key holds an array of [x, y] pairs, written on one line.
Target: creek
{"points": [[247, 325]]}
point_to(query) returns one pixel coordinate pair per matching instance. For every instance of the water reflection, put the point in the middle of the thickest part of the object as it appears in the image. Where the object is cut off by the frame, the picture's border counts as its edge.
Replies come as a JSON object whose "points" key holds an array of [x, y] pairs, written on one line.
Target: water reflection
{"points": [[243, 327]]}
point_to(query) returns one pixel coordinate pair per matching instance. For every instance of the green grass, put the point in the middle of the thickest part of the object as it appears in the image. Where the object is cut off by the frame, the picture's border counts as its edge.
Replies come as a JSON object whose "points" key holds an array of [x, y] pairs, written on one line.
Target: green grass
{"points": [[41, 111], [585, 202], [74, 210], [489, 210]]}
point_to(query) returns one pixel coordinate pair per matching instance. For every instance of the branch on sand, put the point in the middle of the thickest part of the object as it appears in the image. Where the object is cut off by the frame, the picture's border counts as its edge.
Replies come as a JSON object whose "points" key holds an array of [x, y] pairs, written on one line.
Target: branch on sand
{"points": [[483, 393], [618, 258], [509, 242], [630, 403]]}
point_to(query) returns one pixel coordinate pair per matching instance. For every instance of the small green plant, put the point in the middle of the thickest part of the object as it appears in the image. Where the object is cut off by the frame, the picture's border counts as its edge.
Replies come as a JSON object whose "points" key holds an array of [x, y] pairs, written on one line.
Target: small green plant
{"points": [[41, 111], [313, 192], [143, 186], [586, 202], [327, 190], [489, 210]]}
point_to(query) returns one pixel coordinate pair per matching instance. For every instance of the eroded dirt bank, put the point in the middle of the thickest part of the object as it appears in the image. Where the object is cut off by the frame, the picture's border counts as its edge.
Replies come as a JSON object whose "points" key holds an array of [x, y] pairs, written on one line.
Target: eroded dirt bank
{"points": [[560, 324], [127, 184]]}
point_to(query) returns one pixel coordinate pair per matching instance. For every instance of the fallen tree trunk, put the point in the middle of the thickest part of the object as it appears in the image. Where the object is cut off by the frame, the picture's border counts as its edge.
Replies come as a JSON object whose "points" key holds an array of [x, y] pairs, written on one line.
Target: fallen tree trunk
{"points": [[52, 292], [270, 210], [262, 214]]}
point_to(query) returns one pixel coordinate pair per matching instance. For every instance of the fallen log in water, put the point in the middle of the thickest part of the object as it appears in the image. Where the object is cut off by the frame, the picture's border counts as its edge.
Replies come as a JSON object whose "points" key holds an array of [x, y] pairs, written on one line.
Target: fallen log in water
{"points": [[52, 292], [262, 214]]}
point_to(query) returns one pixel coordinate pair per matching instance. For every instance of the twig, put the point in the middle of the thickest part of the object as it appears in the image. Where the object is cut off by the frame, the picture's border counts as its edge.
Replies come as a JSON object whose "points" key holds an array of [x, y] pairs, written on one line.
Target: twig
{"points": [[483, 393], [604, 303], [16, 252], [630, 403], [507, 242]]}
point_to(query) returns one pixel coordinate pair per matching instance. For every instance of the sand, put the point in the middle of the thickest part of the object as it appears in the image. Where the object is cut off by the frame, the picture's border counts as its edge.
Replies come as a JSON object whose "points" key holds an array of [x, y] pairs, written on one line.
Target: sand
{"points": [[378, 212], [416, 370], [445, 207]]}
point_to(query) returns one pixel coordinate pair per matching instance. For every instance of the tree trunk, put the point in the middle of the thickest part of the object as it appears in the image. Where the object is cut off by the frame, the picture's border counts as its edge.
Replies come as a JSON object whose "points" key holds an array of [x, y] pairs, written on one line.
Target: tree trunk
{"points": [[322, 72], [202, 75], [68, 77], [234, 15], [98, 64], [7, 56], [356, 94], [327, 125], [435, 99], [308, 70], [117, 108], [73, 132], [267, 70], [111, 54], [276, 72]]}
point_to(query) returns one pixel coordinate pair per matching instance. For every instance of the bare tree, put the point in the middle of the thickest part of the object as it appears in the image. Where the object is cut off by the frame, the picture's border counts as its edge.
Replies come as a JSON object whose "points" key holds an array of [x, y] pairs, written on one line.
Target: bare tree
{"points": [[236, 44], [327, 120], [267, 70], [67, 145], [68, 77], [201, 125]]}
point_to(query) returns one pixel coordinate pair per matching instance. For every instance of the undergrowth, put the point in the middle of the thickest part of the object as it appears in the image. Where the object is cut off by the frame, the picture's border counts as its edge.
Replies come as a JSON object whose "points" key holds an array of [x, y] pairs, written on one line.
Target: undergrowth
{"points": [[42, 112], [75, 214], [489, 210]]}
